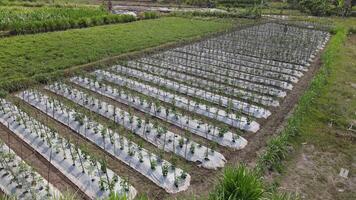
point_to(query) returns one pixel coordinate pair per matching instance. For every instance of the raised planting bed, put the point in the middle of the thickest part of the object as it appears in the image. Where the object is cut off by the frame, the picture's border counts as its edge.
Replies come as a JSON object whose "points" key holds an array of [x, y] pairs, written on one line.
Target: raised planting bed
{"points": [[274, 41], [236, 105], [159, 171], [257, 78], [91, 175], [151, 132], [236, 119], [187, 77], [20, 180], [220, 135]]}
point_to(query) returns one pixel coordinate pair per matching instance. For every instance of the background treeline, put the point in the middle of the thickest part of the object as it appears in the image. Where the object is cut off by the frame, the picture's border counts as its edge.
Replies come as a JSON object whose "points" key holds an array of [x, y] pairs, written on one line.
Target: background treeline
{"points": [[324, 7]]}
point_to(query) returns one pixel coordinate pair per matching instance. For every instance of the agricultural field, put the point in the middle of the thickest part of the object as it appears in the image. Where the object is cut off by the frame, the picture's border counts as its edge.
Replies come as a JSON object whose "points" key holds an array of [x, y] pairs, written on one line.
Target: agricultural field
{"points": [[219, 103], [165, 124]]}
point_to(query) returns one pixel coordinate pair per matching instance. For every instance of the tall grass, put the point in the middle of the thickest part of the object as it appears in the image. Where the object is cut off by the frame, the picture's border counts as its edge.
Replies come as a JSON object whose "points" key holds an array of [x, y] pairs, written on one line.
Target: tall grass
{"points": [[238, 183]]}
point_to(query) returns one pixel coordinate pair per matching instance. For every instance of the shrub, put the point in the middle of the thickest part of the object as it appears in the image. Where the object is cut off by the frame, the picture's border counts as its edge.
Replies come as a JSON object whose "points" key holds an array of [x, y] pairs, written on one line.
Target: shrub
{"points": [[3, 93], [238, 183], [149, 15], [316, 7]]}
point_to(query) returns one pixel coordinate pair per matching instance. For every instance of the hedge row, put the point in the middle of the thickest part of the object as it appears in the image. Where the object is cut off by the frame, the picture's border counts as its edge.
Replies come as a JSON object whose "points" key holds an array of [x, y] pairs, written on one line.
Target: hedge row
{"points": [[251, 13], [63, 24]]}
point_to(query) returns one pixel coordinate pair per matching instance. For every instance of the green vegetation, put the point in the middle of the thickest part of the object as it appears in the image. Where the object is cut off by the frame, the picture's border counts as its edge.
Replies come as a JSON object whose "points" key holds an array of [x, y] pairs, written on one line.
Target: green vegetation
{"points": [[21, 20], [30, 58], [238, 183], [323, 7], [39, 3], [277, 149], [319, 106]]}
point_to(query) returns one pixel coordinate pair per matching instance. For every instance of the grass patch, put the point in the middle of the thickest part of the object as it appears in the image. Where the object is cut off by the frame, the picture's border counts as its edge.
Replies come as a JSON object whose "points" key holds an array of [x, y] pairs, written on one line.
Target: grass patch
{"points": [[277, 150], [238, 183], [35, 58]]}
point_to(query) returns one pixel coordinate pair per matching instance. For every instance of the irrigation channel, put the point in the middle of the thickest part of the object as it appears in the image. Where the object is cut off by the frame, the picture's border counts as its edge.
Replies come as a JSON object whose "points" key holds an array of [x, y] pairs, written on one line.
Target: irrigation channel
{"points": [[213, 92]]}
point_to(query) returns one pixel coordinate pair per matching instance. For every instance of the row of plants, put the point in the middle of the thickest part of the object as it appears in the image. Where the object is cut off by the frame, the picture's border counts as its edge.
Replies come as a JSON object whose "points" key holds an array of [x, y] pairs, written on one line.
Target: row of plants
{"points": [[88, 173], [149, 130], [25, 20], [224, 85], [207, 52], [213, 49], [64, 24], [159, 171], [202, 94], [211, 131], [234, 119], [251, 13], [20, 180], [231, 70], [239, 182], [275, 41]]}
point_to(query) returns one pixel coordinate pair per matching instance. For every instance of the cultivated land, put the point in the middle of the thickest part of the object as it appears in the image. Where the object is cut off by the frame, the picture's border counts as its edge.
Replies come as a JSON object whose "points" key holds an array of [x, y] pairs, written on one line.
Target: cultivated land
{"points": [[165, 124], [162, 132], [42, 54]]}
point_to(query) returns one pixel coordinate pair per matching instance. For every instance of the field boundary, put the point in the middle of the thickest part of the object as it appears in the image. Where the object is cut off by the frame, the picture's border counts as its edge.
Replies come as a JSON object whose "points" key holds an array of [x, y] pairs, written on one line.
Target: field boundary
{"points": [[277, 147]]}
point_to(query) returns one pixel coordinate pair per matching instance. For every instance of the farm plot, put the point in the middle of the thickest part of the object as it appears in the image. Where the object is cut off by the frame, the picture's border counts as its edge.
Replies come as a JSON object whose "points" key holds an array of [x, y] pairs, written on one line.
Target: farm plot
{"points": [[90, 174], [161, 172], [216, 89], [230, 78], [20, 180], [150, 131], [220, 135]]}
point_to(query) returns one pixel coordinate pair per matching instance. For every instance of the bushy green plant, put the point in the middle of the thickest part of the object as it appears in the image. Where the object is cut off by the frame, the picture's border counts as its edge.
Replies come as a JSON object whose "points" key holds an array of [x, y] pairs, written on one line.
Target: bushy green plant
{"points": [[149, 15], [238, 183], [316, 7], [24, 20]]}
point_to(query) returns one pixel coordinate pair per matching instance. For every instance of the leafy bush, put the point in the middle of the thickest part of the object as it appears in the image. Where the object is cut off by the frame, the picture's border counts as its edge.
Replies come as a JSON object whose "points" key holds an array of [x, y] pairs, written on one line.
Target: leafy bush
{"points": [[239, 3], [149, 15], [316, 7], [209, 3], [251, 13], [238, 183], [3, 93]]}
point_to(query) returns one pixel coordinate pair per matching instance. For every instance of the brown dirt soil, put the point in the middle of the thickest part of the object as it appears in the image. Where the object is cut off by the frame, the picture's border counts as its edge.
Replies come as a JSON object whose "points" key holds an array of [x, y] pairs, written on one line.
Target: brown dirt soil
{"points": [[314, 171]]}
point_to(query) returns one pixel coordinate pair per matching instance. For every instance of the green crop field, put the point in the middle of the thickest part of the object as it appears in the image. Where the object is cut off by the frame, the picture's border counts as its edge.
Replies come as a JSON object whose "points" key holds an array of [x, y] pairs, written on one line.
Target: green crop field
{"points": [[23, 57], [19, 16]]}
